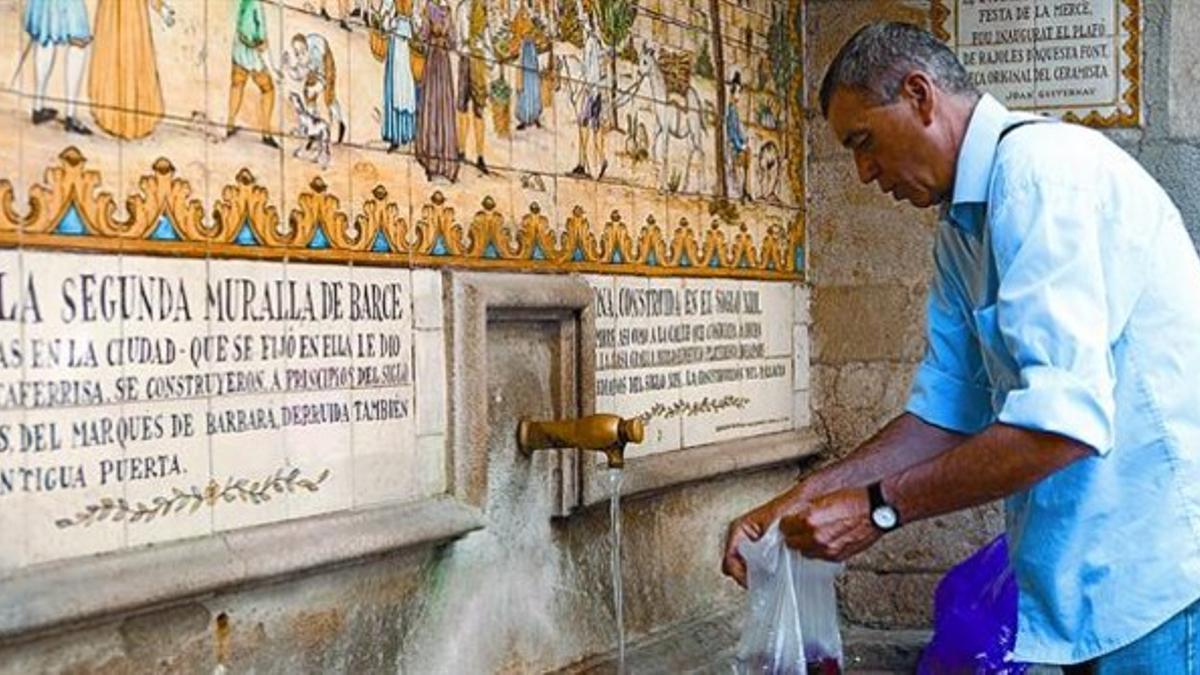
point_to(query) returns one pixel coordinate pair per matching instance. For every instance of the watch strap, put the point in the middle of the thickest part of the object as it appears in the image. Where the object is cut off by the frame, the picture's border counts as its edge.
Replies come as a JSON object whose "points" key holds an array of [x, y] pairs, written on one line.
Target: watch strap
{"points": [[875, 495]]}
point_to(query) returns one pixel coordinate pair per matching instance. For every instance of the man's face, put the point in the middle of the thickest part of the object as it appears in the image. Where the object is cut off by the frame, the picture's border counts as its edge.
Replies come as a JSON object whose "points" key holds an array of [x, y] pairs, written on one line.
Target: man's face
{"points": [[892, 145]]}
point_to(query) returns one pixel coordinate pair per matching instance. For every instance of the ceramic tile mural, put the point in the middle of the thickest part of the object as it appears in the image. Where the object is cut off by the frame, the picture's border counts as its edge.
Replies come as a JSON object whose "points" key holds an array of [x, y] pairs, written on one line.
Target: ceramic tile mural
{"points": [[221, 224]]}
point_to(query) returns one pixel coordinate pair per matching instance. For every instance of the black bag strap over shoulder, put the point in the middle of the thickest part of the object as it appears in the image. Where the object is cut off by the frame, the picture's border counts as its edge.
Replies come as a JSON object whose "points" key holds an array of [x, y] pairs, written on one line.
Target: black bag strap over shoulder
{"points": [[1013, 127]]}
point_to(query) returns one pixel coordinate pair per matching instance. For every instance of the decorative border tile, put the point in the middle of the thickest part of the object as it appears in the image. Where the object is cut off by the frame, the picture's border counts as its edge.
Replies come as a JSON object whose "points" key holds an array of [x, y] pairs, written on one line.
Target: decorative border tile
{"points": [[71, 209]]}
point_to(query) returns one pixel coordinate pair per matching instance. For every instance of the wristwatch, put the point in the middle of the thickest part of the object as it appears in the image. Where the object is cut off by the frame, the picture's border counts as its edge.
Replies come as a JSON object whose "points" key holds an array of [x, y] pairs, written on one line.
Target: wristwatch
{"points": [[884, 516]]}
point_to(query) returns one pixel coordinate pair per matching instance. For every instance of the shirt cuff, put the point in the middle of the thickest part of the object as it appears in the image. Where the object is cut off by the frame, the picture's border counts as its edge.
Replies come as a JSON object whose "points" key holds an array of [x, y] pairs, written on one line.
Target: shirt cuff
{"points": [[948, 402], [1055, 401]]}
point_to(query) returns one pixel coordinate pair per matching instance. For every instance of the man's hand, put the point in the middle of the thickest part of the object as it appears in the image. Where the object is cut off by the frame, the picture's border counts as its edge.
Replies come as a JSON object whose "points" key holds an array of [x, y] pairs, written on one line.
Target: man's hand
{"points": [[832, 527], [753, 524]]}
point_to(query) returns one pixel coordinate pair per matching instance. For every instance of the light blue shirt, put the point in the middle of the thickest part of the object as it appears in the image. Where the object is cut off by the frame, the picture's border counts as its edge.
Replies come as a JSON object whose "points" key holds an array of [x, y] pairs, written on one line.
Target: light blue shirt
{"points": [[1066, 299]]}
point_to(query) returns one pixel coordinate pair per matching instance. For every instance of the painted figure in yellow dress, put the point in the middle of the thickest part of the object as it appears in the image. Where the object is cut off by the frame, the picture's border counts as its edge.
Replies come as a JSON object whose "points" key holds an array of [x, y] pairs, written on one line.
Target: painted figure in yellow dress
{"points": [[123, 84]]}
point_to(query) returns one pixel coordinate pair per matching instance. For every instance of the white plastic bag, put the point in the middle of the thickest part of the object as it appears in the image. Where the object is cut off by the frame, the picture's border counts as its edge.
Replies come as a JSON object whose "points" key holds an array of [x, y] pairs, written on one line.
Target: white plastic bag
{"points": [[791, 617]]}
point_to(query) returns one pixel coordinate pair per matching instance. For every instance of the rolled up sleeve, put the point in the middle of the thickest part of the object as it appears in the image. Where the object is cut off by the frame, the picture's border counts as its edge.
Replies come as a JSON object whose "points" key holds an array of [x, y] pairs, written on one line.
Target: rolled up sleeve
{"points": [[950, 388], [1052, 311]]}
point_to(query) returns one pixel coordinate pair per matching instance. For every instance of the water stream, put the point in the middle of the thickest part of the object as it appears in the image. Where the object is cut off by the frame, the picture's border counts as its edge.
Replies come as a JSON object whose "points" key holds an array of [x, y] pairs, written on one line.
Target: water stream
{"points": [[615, 476]]}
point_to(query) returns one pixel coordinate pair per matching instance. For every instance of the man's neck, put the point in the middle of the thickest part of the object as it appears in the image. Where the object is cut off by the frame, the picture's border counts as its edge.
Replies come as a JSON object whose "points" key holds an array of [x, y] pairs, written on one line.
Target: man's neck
{"points": [[958, 119]]}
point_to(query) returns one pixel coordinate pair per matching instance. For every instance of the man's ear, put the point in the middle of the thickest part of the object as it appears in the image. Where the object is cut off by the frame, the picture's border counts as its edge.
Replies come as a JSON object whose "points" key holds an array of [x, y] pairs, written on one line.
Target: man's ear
{"points": [[921, 92]]}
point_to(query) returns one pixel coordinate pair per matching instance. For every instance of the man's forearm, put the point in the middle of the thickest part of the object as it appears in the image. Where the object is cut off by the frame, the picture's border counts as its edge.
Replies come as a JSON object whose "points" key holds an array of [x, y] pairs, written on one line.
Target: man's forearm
{"points": [[995, 463], [905, 441]]}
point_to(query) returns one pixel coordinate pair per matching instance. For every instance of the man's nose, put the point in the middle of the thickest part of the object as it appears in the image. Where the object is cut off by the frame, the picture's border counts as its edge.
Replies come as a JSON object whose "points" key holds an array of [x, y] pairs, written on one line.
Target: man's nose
{"points": [[868, 170]]}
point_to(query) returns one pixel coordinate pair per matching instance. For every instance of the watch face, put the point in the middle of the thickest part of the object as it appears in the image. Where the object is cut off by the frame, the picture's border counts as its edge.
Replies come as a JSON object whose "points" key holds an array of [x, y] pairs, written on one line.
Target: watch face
{"points": [[884, 517]]}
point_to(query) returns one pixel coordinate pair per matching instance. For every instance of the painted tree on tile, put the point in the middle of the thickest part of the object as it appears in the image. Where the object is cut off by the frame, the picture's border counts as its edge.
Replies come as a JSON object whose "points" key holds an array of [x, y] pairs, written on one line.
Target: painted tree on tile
{"points": [[718, 53], [615, 22]]}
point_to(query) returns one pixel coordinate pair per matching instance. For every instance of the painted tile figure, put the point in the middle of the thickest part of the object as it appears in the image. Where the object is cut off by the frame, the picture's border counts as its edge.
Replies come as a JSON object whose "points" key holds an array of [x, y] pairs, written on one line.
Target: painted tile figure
{"points": [[735, 135], [252, 60], [589, 113], [310, 61], [471, 21], [529, 102], [437, 141], [398, 114], [345, 13], [123, 83], [51, 25], [666, 89]]}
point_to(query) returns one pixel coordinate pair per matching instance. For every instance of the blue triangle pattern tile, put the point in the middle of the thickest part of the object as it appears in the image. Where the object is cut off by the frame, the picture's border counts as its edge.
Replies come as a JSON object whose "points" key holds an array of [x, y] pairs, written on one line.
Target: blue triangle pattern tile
{"points": [[490, 251], [71, 224], [439, 245], [380, 244], [652, 258], [246, 236], [684, 261], [164, 230], [577, 256], [319, 240], [617, 257], [537, 253]]}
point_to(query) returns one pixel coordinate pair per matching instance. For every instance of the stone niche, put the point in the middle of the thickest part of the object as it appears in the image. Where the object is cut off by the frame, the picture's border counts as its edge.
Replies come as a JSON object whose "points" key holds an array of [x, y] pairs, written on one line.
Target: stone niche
{"points": [[245, 320]]}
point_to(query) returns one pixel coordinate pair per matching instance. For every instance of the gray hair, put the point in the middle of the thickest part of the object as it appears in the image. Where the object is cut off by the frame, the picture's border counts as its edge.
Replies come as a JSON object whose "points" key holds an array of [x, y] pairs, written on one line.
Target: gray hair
{"points": [[879, 56]]}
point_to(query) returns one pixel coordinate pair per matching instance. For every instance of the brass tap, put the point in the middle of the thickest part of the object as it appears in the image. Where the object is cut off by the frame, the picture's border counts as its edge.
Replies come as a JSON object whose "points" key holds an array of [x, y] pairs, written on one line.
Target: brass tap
{"points": [[601, 433]]}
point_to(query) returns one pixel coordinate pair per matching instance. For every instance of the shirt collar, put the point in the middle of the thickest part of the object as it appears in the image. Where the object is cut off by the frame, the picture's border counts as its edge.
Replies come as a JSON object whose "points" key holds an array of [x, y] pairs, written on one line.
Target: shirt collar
{"points": [[973, 171]]}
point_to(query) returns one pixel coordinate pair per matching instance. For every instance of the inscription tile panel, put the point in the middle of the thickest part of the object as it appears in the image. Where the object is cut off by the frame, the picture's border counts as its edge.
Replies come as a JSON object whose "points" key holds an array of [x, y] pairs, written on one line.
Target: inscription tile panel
{"points": [[13, 497], [168, 473], [429, 356], [384, 425], [428, 310], [714, 391], [166, 336], [67, 477], [248, 456], [73, 311], [776, 318], [769, 408], [320, 454], [698, 360], [632, 378], [1077, 60], [429, 472], [385, 441], [250, 357], [14, 284]]}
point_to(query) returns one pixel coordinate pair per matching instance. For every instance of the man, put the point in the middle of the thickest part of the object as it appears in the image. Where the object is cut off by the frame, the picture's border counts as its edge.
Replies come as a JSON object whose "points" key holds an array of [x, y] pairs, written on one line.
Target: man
{"points": [[592, 105], [474, 37], [735, 135], [1060, 372], [55, 25], [252, 60]]}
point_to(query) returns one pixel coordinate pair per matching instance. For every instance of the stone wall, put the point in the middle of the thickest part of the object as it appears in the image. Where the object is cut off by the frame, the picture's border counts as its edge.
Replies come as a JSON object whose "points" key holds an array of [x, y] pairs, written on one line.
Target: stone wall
{"points": [[870, 263]]}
